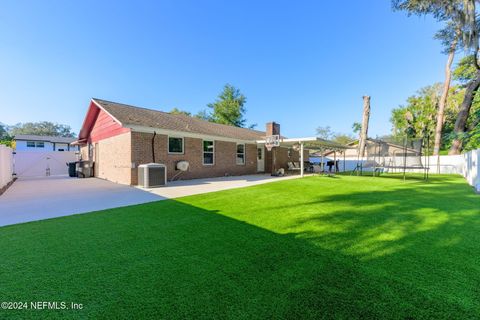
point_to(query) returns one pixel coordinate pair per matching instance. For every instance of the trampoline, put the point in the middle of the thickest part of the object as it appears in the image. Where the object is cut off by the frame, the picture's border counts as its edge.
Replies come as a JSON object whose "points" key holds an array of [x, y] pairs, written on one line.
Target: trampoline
{"points": [[395, 156]]}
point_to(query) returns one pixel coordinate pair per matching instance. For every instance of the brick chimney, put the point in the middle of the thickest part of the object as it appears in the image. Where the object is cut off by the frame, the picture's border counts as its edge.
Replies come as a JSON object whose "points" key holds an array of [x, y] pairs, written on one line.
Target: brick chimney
{"points": [[272, 128]]}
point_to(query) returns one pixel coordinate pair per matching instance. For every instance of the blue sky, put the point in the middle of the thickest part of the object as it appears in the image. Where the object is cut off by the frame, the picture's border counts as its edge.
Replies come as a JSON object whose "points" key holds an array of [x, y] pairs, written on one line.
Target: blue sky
{"points": [[303, 64]]}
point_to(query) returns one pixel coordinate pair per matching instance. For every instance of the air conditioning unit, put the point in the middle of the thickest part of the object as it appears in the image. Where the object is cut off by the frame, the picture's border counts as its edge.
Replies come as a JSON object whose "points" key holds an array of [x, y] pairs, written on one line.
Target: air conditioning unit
{"points": [[152, 175]]}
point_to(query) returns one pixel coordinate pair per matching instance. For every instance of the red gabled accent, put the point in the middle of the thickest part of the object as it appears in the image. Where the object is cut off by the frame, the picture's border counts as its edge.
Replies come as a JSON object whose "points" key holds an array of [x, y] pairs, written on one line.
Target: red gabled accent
{"points": [[99, 125], [105, 127]]}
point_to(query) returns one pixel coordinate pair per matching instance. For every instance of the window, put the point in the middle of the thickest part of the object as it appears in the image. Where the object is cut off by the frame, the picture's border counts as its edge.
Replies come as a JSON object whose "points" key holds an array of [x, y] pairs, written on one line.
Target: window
{"points": [[240, 153], [259, 153], [33, 144], [175, 145], [208, 152]]}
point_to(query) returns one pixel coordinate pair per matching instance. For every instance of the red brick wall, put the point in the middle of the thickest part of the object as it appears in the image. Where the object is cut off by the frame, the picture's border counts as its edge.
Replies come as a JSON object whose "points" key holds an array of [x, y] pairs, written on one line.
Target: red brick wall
{"points": [[225, 157], [112, 158], [272, 128]]}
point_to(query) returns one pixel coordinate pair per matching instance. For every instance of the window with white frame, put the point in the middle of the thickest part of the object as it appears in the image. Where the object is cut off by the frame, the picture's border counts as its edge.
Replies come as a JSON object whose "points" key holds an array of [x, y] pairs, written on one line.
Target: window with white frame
{"points": [[175, 145], [240, 153], [30, 144], [40, 144], [208, 152]]}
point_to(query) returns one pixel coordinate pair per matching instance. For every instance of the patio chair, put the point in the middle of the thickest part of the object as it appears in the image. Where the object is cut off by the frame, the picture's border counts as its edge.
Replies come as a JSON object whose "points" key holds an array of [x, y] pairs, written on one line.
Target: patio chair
{"points": [[293, 166]]}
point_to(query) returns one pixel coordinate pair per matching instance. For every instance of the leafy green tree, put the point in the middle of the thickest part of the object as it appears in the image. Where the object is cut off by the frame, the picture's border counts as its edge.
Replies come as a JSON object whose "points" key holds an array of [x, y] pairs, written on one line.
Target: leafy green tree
{"points": [[229, 108], [464, 71], [405, 122], [3, 132], [470, 33], [450, 36], [178, 111], [417, 118], [473, 139], [327, 134], [44, 128], [357, 127], [204, 115], [357, 130], [5, 137], [343, 138], [462, 26]]}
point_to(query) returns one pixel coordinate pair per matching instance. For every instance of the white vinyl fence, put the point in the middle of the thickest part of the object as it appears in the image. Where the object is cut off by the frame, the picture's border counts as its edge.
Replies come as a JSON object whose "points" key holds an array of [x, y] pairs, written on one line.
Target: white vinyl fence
{"points": [[6, 165], [471, 168], [41, 164], [468, 165]]}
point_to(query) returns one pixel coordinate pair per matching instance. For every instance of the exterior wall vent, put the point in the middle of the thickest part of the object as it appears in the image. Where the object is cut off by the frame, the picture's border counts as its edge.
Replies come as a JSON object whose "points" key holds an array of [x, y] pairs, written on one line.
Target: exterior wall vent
{"points": [[152, 175]]}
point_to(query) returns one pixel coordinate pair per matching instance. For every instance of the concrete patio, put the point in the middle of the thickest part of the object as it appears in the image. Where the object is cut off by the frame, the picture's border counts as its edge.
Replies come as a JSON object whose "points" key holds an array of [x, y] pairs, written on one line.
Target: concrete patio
{"points": [[184, 188], [50, 197]]}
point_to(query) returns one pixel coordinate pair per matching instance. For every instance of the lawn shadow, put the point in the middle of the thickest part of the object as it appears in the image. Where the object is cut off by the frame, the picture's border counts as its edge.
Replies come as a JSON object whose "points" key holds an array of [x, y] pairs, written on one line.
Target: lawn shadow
{"points": [[423, 237], [399, 214], [173, 260]]}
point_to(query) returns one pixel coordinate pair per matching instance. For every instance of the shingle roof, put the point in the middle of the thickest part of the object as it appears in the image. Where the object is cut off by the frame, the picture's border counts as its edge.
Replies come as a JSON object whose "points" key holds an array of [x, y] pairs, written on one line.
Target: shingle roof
{"points": [[130, 115], [32, 137]]}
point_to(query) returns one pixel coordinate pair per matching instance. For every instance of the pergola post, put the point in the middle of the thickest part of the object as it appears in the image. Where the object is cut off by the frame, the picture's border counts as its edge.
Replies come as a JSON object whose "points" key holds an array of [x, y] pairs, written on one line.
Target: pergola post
{"points": [[322, 167], [335, 161], [301, 159]]}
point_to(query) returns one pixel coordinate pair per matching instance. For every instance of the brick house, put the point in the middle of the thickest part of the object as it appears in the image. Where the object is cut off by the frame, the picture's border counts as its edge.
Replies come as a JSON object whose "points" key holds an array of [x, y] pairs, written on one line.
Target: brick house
{"points": [[119, 137]]}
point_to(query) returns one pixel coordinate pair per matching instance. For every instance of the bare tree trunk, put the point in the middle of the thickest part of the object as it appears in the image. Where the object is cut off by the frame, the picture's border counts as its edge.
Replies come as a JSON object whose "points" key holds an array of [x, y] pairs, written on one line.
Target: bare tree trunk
{"points": [[443, 100], [364, 130], [461, 122]]}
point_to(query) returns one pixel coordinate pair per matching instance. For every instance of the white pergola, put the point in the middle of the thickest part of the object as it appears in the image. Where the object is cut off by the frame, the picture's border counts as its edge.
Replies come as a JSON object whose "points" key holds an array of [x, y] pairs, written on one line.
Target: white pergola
{"points": [[313, 143]]}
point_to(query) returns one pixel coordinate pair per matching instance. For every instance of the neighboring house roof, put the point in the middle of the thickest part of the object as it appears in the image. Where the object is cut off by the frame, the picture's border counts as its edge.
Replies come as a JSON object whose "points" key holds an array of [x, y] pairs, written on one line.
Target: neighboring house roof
{"points": [[32, 137], [131, 116]]}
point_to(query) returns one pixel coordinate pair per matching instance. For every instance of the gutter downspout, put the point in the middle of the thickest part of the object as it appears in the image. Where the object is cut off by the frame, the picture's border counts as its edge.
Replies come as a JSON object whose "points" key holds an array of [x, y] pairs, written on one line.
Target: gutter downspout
{"points": [[153, 145]]}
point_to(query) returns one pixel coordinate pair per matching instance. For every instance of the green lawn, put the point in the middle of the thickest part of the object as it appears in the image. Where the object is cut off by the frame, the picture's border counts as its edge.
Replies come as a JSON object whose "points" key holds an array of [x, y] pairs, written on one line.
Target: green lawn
{"points": [[319, 247]]}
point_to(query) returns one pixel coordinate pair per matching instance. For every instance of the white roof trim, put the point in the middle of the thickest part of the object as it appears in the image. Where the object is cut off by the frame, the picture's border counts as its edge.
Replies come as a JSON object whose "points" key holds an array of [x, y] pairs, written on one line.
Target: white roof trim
{"points": [[136, 128], [102, 108], [314, 140]]}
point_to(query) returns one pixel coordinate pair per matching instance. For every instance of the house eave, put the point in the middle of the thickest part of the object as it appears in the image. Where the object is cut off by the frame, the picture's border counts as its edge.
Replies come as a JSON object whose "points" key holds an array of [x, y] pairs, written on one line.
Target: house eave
{"points": [[144, 129]]}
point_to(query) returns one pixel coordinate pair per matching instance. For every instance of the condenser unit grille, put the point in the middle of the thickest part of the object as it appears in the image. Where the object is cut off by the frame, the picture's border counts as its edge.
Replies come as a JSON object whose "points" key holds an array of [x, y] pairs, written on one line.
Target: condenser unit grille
{"points": [[156, 176], [152, 175]]}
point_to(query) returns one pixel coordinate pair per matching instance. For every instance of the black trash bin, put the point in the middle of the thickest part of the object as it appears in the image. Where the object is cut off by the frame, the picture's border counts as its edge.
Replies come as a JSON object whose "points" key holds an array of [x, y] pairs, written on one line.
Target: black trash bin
{"points": [[72, 170]]}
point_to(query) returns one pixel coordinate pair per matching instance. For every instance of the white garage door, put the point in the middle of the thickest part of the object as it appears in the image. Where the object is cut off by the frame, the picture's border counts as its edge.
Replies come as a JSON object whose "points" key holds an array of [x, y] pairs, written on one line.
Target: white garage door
{"points": [[41, 164]]}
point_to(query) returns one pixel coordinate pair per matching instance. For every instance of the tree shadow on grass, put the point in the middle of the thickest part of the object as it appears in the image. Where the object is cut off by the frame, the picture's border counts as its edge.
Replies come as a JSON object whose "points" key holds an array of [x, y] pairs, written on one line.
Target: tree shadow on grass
{"points": [[173, 260], [415, 237], [422, 238]]}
